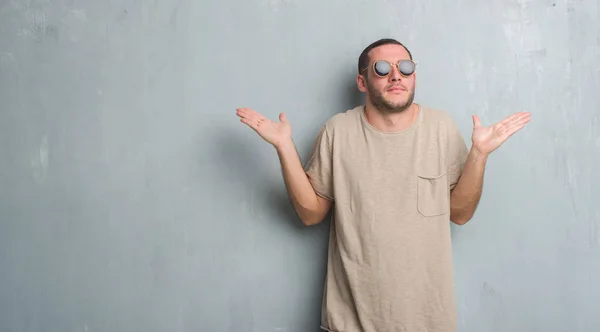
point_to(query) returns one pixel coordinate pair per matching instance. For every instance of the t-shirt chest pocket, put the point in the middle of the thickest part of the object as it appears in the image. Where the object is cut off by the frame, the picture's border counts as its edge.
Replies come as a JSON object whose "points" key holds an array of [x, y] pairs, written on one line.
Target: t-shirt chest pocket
{"points": [[432, 187], [433, 195]]}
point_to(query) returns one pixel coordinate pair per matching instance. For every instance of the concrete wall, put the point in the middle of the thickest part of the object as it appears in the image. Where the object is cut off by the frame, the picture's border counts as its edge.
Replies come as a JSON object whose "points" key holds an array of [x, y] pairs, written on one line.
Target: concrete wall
{"points": [[132, 198]]}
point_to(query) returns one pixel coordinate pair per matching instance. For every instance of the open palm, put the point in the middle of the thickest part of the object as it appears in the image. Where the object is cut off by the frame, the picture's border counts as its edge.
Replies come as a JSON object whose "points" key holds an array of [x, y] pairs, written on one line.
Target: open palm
{"points": [[488, 139], [274, 133]]}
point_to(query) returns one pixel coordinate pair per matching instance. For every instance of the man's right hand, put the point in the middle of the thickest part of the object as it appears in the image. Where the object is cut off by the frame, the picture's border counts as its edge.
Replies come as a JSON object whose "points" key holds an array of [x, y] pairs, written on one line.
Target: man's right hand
{"points": [[310, 207], [276, 133]]}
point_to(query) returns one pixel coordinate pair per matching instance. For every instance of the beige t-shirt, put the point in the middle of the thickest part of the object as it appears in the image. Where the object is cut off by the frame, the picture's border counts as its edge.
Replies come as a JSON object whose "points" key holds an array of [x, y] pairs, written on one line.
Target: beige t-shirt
{"points": [[389, 263]]}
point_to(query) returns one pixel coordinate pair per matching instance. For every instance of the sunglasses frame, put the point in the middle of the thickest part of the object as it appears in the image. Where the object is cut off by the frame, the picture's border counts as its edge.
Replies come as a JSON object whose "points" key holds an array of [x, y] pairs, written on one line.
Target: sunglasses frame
{"points": [[397, 65]]}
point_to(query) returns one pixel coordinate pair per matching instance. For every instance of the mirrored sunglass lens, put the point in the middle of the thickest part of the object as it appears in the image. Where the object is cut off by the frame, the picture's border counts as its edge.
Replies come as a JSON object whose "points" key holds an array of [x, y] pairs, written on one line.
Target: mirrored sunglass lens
{"points": [[406, 67], [382, 68]]}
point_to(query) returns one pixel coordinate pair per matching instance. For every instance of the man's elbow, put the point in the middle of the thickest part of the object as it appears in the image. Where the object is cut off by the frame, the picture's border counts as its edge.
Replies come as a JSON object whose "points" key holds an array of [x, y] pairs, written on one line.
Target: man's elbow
{"points": [[310, 220], [314, 214], [461, 218]]}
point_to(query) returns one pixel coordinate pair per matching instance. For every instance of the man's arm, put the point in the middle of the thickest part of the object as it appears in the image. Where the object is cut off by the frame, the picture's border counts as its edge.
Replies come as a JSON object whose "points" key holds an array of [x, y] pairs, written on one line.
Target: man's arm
{"points": [[466, 194], [310, 207]]}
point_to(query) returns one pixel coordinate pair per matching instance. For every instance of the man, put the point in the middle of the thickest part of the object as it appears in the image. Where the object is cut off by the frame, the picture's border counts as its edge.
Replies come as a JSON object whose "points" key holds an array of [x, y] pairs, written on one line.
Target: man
{"points": [[397, 172]]}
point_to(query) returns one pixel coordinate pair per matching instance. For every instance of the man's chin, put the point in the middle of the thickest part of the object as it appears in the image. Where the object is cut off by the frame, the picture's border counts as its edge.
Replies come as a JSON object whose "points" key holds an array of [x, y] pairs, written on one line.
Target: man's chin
{"points": [[397, 106], [392, 103]]}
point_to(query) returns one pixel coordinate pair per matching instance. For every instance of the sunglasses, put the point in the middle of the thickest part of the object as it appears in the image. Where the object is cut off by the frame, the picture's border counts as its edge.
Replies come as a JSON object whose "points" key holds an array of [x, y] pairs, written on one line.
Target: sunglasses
{"points": [[383, 68]]}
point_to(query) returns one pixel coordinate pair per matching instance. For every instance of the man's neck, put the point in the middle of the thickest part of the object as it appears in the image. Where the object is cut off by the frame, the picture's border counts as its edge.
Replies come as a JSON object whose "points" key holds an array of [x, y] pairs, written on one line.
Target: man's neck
{"points": [[391, 122]]}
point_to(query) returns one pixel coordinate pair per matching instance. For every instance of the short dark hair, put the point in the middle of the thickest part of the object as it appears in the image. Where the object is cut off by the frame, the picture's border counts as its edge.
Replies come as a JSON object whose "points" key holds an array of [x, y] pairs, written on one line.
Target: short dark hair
{"points": [[363, 59]]}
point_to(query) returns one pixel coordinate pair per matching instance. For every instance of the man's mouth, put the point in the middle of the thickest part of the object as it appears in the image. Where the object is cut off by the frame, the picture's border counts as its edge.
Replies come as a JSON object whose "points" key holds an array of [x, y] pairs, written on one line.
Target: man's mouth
{"points": [[396, 88]]}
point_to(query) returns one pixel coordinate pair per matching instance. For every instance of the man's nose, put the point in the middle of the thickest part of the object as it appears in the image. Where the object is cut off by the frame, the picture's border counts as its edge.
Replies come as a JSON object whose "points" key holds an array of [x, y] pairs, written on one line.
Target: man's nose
{"points": [[395, 74]]}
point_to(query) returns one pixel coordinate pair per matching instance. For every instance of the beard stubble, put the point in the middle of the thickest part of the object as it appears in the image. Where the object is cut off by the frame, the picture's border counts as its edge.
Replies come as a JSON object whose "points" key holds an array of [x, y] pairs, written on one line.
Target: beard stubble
{"points": [[386, 106]]}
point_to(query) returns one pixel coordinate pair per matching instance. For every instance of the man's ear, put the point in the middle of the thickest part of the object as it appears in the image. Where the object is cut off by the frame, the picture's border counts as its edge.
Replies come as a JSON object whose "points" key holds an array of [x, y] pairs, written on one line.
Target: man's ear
{"points": [[361, 83]]}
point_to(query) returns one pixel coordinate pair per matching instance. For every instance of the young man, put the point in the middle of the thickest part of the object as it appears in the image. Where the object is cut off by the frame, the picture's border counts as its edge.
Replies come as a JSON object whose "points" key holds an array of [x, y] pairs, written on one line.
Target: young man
{"points": [[398, 172]]}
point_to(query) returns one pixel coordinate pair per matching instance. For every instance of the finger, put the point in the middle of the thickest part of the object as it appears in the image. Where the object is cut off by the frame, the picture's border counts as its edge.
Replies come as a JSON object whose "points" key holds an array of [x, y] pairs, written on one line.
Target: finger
{"points": [[248, 112], [514, 117], [252, 116], [258, 121], [522, 115], [476, 121], [247, 122], [250, 123], [516, 127], [514, 121], [520, 120], [244, 112]]}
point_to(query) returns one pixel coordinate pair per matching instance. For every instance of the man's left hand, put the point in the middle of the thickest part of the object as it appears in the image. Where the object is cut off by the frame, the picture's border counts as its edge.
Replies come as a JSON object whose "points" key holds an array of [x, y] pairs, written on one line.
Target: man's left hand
{"points": [[487, 139]]}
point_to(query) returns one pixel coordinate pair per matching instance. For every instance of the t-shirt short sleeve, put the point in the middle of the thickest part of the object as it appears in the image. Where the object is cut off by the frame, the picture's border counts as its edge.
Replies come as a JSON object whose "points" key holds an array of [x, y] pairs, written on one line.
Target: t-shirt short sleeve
{"points": [[457, 153], [319, 166]]}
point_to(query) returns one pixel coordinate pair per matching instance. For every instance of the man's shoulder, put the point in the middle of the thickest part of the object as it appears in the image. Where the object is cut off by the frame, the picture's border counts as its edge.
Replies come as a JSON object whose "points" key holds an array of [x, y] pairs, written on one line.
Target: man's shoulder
{"points": [[435, 114], [344, 119]]}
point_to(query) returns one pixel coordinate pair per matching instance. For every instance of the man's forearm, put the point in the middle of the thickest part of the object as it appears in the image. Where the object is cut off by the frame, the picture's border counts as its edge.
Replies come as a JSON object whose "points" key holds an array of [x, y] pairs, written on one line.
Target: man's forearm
{"points": [[299, 189], [467, 192]]}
